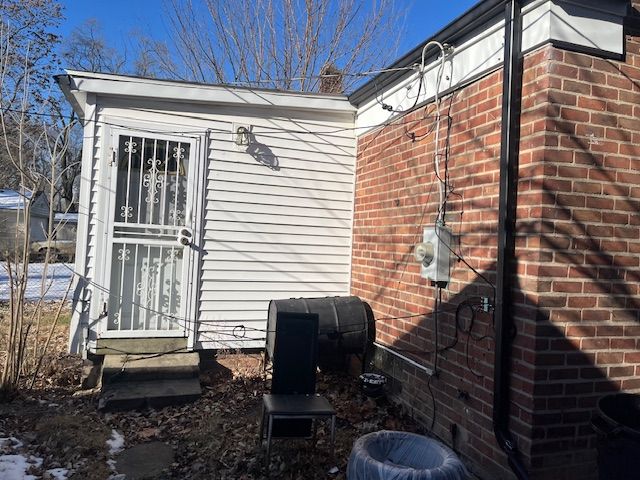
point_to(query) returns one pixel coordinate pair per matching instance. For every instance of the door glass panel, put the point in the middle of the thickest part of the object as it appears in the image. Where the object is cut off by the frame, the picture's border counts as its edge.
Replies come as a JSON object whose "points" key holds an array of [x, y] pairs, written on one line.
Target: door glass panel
{"points": [[147, 260], [146, 282], [152, 181]]}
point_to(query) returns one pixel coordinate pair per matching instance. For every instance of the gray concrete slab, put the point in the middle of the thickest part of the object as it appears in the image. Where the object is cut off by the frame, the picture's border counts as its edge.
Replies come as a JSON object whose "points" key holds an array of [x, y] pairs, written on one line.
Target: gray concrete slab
{"points": [[145, 462]]}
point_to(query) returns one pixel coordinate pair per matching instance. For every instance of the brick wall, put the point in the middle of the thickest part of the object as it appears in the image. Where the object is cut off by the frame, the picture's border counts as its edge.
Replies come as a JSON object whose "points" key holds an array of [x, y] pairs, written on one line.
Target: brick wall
{"points": [[589, 329], [577, 249]]}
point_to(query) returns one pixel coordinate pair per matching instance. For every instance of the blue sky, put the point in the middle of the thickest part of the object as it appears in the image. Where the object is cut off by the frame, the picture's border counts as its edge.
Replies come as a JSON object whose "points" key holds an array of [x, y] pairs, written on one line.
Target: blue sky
{"points": [[119, 17]]}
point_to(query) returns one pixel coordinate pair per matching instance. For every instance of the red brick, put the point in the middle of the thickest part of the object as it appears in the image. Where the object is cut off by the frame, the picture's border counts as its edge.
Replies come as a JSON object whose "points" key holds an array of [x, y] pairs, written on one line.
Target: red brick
{"points": [[577, 245]]}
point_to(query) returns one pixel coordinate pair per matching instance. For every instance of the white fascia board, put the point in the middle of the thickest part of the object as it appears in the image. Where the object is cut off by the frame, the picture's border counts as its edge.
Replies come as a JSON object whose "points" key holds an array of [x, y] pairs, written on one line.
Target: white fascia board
{"points": [[479, 53], [588, 24], [76, 98], [118, 85], [597, 26]]}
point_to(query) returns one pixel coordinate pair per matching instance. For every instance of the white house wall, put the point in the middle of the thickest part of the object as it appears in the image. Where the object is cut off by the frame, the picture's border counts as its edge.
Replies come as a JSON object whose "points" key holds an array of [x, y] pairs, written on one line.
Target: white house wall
{"points": [[277, 224], [80, 335]]}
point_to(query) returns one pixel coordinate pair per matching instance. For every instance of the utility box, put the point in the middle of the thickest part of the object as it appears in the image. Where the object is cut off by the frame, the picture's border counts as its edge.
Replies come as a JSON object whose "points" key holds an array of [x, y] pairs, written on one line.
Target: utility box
{"points": [[434, 253]]}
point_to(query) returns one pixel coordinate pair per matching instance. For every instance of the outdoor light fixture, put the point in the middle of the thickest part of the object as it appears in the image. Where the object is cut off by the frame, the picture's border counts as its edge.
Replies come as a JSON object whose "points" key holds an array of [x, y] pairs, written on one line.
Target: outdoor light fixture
{"points": [[242, 136]]}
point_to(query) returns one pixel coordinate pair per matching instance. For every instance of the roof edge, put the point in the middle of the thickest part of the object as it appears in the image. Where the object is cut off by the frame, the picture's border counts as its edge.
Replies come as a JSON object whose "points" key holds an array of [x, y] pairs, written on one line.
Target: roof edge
{"points": [[468, 21], [85, 81]]}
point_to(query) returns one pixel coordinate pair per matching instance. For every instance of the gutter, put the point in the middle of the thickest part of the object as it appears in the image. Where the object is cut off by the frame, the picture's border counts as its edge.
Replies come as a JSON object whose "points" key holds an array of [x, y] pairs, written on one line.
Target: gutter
{"points": [[632, 21], [509, 157]]}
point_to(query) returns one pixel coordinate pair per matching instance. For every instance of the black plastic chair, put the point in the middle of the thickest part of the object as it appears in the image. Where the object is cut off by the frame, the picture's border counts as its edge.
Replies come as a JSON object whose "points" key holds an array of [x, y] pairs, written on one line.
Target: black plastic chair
{"points": [[296, 407], [293, 406]]}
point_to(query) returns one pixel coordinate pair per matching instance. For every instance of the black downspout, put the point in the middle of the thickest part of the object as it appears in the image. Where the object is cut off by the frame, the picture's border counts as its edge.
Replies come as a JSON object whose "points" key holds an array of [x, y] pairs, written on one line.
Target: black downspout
{"points": [[509, 151]]}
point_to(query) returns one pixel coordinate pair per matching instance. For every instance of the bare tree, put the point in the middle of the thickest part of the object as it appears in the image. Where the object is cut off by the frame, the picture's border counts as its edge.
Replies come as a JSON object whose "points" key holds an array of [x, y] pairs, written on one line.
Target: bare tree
{"points": [[63, 122], [26, 59], [86, 49], [26, 144], [282, 44]]}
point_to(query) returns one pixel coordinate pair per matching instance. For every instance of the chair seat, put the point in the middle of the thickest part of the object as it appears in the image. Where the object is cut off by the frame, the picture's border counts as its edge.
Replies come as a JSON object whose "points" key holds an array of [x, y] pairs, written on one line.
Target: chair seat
{"points": [[297, 405]]}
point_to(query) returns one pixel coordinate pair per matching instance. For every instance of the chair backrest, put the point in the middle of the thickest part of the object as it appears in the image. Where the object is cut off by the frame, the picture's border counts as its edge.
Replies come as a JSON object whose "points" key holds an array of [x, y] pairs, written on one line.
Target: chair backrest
{"points": [[295, 356]]}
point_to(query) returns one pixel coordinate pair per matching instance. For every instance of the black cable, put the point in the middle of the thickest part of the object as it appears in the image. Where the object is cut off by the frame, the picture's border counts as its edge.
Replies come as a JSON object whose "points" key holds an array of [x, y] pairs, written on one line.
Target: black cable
{"points": [[466, 353], [264, 132], [433, 404], [435, 373], [435, 325], [236, 330]]}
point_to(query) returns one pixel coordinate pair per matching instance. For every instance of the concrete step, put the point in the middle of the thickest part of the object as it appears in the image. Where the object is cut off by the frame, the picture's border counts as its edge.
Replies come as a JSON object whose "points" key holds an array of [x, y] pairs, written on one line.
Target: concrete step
{"points": [[148, 394], [136, 368], [118, 346]]}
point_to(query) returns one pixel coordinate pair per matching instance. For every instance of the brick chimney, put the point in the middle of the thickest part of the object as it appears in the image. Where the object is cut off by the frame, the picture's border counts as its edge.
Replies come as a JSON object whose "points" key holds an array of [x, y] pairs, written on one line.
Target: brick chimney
{"points": [[332, 82]]}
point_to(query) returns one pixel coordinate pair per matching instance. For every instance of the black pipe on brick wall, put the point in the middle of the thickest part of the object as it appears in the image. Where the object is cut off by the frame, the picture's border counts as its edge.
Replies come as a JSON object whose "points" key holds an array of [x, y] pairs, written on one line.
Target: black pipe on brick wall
{"points": [[509, 152]]}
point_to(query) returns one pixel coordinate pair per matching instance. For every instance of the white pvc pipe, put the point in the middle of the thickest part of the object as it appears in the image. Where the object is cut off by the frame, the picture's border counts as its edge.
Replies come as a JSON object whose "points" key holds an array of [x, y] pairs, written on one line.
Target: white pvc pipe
{"points": [[405, 358]]}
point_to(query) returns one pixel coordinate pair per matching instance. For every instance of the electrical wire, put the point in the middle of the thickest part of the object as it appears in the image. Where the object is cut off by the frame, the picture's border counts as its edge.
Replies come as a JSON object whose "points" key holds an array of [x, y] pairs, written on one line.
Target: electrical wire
{"points": [[239, 331], [232, 329], [262, 131], [198, 85], [444, 191]]}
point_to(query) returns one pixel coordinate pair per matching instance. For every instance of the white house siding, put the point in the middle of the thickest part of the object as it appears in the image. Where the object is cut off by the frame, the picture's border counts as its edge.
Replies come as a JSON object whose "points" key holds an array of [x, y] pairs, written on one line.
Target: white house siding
{"points": [[270, 231], [85, 271], [274, 232]]}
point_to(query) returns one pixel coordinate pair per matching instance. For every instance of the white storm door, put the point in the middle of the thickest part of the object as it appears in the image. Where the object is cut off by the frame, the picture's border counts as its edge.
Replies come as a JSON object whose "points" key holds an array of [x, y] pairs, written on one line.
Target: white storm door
{"points": [[149, 236]]}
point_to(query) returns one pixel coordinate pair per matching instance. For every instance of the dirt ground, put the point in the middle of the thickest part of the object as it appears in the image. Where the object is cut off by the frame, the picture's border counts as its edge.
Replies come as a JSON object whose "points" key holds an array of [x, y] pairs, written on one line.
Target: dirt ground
{"points": [[215, 437]]}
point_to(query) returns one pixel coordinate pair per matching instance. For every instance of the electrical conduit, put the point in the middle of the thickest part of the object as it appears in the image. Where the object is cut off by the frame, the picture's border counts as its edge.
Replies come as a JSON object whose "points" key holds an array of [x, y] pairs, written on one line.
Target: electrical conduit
{"points": [[509, 151]]}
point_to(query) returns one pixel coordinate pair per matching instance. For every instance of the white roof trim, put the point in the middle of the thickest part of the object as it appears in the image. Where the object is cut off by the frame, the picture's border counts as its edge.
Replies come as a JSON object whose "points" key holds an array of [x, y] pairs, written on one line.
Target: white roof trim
{"points": [[81, 83]]}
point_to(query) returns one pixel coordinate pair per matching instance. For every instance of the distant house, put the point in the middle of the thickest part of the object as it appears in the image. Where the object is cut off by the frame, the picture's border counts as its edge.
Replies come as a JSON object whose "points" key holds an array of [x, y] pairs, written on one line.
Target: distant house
{"points": [[62, 245], [12, 211], [66, 226]]}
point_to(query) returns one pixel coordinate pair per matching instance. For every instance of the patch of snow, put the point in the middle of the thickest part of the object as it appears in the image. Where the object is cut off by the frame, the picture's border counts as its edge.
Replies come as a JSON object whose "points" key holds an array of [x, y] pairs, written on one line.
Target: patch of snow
{"points": [[115, 475], [58, 473], [56, 281], [115, 443], [12, 200], [11, 442], [111, 463], [66, 217], [15, 467]]}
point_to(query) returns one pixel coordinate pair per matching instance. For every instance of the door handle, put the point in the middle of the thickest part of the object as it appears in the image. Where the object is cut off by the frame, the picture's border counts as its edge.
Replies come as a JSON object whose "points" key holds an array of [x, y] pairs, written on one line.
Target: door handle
{"points": [[184, 237]]}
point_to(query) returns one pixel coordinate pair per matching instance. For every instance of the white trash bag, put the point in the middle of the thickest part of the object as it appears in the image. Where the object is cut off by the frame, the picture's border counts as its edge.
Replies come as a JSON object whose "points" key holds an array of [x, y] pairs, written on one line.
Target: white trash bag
{"points": [[389, 455]]}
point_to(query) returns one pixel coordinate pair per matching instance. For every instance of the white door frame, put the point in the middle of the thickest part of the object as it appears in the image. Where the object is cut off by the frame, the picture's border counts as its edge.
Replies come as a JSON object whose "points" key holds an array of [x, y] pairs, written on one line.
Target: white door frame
{"points": [[193, 221]]}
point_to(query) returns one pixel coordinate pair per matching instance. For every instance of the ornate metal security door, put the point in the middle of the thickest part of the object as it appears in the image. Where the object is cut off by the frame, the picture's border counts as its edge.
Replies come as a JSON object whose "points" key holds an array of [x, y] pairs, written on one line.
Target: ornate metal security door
{"points": [[149, 236]]}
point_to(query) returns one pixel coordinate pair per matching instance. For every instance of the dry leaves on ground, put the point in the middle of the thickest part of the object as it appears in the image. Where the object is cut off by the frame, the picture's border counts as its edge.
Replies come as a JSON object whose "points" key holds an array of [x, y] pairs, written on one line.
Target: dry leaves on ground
{"points": [[214, 437]]}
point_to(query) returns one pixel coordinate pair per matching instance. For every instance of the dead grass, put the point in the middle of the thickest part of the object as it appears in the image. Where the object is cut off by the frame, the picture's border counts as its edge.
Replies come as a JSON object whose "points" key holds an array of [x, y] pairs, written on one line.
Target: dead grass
{"points": [[58, 368], [71, 434]]}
